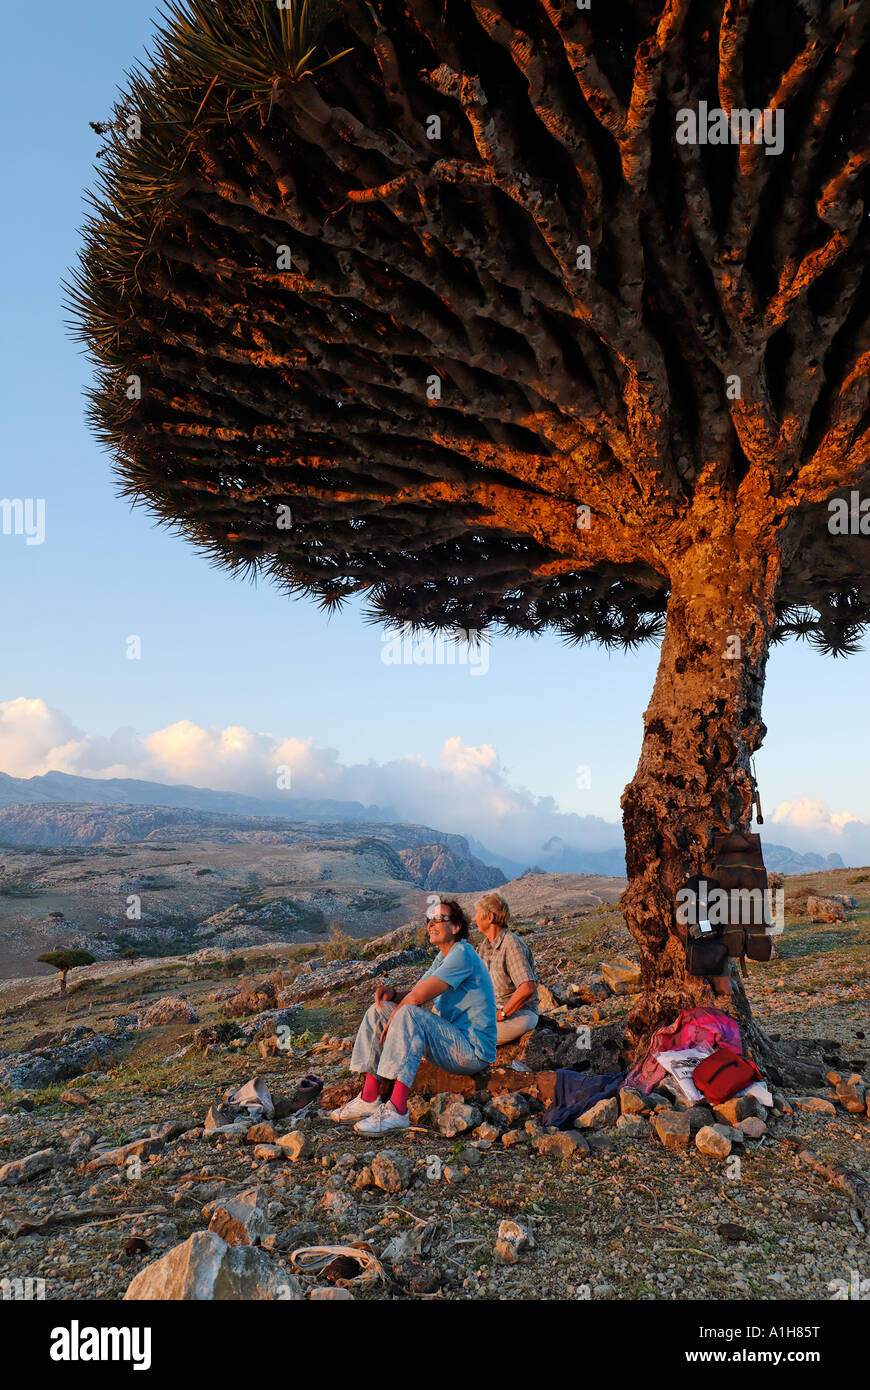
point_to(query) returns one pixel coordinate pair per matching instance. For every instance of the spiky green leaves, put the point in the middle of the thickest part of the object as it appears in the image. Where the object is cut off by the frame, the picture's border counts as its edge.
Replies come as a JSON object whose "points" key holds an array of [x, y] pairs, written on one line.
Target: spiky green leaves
{"points": [[249, 46], [214, 61], [286, 265]]}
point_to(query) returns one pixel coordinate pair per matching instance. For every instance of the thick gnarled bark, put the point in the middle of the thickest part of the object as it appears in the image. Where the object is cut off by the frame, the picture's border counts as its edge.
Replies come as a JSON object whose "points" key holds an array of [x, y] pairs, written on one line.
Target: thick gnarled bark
{"points": [[693, 779]]}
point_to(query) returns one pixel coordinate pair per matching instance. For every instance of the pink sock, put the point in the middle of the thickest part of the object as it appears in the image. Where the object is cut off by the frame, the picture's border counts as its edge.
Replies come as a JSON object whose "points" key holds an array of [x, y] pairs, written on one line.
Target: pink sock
{"points": [[370, 1090], [400, 1097]]}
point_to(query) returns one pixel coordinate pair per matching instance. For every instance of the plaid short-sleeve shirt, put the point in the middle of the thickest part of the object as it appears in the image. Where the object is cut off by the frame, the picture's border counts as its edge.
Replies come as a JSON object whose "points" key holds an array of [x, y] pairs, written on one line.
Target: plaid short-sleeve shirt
{"points": [[509, 962]]}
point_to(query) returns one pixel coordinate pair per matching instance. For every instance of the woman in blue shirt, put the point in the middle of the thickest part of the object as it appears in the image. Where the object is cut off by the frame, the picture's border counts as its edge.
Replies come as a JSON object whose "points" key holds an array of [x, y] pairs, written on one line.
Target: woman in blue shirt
{"points": [[457, 1035]]}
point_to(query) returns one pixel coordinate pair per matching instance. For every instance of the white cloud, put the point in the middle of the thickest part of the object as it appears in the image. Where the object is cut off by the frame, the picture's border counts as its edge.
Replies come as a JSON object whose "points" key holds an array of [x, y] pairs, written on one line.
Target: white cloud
{"points": [[811, 825], [467, 791], [814, 815], [462, 758], [35, 739]]}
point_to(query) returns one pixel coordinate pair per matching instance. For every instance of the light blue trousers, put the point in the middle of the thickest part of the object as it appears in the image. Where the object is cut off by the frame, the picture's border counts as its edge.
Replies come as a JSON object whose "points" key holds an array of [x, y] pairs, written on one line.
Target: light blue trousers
{"points": [[414, 1034]]}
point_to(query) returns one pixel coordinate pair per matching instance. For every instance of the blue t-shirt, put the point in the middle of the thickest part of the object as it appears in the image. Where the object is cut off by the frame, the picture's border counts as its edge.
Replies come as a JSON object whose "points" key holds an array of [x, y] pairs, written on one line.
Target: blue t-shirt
{"points": [[469, 1002]]}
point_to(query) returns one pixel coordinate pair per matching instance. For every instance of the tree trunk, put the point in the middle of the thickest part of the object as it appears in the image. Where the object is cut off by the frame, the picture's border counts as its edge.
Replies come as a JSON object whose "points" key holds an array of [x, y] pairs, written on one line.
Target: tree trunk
{"points": [[62, 984], [702, 725]]}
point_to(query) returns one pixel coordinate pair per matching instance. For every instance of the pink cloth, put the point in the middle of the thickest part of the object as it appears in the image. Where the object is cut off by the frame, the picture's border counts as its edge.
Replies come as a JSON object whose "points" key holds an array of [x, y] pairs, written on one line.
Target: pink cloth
{"points": [[698, 1027]]}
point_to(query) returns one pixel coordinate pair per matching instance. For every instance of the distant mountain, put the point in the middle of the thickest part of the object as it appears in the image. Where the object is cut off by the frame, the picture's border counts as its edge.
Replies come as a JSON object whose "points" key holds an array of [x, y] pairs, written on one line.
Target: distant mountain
{"points": [[430, 859], [93, 810], [511, 868], [440, 869], [558, 857], [555, 857], [205, 878], [128, 791], [782, 860]]}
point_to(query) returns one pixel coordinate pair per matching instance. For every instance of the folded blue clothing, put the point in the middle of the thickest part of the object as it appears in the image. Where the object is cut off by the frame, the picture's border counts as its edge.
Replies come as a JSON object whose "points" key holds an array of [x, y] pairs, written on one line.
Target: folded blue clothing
{"points": [[577, 1091]]}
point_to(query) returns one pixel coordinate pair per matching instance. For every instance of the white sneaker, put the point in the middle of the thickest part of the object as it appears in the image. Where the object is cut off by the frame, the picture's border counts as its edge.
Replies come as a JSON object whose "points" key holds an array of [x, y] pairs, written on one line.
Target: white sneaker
{"points": [[386, 1118], [354, 1110]]}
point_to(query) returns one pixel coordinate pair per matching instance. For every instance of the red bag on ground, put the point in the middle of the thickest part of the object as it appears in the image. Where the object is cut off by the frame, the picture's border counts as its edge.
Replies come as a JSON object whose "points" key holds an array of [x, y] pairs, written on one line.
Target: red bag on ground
{"points": [[721, 1075]]}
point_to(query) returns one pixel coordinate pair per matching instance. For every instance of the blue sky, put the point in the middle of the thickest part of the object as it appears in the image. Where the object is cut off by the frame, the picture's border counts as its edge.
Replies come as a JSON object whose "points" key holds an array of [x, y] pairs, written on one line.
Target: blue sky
{"points": [[218, 653]]}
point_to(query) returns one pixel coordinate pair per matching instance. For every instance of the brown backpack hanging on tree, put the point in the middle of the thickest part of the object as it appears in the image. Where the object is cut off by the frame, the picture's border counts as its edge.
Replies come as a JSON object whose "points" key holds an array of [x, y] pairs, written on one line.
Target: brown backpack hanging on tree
{"points": [[738, 864]]}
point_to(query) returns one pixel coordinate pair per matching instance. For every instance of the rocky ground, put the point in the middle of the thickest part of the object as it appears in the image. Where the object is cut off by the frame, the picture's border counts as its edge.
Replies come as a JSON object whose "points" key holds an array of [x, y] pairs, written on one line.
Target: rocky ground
{"points": [[122, 1157]]}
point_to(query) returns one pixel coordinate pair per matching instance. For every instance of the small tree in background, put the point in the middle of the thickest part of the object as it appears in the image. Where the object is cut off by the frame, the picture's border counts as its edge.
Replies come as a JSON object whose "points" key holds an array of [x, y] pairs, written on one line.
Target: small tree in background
{"points": [[131, 955], [64, 961]]}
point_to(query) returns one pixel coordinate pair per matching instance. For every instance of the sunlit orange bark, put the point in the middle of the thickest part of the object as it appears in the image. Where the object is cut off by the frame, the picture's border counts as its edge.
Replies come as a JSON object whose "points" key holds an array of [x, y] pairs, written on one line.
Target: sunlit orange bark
{"points": [[702, 726]]}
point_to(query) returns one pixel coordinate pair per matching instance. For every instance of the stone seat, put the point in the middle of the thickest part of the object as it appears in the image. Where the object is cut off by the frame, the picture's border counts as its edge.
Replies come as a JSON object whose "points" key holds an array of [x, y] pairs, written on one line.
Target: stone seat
{"points": [[431, 1081]]}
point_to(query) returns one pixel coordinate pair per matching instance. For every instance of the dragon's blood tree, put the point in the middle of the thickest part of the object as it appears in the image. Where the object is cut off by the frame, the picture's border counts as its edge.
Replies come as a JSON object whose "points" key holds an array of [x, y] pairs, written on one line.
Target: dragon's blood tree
{"points": [[513, 314]]}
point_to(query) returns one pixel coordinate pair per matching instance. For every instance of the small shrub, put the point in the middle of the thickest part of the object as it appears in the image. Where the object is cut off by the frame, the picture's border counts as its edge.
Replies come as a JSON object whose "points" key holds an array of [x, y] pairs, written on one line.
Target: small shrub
{"points": [[251, 999], [241, 1004], [50, 1094], [8, 1097], [277, 981], [339, 946]]}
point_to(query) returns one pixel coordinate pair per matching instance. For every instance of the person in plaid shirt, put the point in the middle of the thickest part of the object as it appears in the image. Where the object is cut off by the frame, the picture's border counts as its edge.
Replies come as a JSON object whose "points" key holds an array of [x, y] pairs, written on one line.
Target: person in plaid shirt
{"points": [[511, 968]]}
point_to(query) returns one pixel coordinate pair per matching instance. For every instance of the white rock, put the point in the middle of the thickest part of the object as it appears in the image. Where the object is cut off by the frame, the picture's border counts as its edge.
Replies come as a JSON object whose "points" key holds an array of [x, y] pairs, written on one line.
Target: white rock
{"points": [[205, 1268]]}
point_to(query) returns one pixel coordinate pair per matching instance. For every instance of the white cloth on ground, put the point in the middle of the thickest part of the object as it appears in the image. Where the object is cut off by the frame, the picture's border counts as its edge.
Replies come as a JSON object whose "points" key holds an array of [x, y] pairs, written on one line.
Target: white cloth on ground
{"points": [[679, 1066], [256, 1096]]}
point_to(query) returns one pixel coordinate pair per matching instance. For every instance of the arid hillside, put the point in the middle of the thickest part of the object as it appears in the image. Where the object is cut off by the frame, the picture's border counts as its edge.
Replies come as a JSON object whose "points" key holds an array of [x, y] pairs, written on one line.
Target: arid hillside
{"points": [[104, 1120], [233, 883]]}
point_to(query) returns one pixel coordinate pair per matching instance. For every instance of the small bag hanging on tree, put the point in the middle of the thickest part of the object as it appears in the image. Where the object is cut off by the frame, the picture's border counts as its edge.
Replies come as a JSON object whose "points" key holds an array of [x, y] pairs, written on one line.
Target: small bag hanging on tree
{"points": [[706, 957], [706, 951]]}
